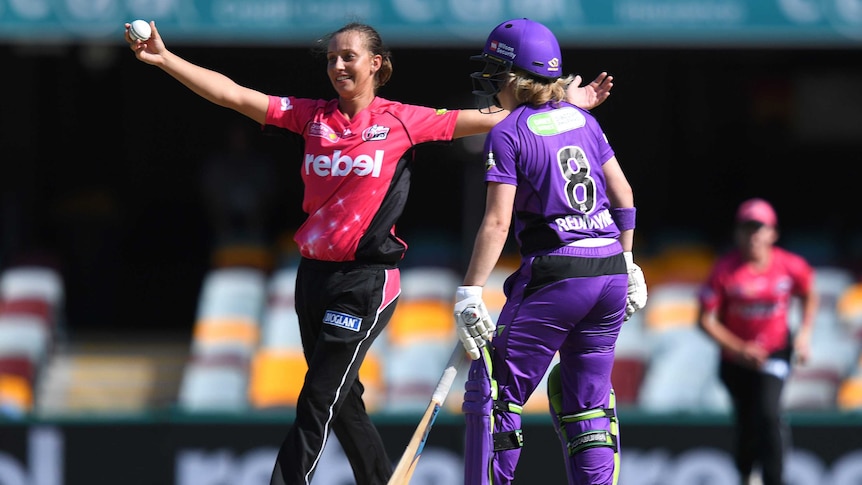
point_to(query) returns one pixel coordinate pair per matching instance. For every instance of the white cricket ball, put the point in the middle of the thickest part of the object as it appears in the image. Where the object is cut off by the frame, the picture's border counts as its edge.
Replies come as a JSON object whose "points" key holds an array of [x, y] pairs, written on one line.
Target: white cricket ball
{"points": [[140, 30]]}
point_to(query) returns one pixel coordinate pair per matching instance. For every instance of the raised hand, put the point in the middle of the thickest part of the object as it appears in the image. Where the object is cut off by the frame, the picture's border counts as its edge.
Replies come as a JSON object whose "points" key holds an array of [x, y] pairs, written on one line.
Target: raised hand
{"points": [[592, 94]]}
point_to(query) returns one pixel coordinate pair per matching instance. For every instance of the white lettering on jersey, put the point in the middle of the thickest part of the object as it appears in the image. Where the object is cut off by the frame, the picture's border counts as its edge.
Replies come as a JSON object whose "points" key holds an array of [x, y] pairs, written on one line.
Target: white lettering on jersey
{"points": [[285, 104], [574, 223], [338, 165]]}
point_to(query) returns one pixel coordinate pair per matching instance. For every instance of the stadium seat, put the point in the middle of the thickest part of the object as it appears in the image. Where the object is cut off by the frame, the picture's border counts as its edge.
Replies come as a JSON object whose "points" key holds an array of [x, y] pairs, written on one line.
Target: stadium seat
{"points": [[214, 384], [849, 309], [32, 282], [671, 306], [429, 283], [681, 263], [280, 324], [233, 292], [16, 395], [18, 365], [849, 396], [492, 293], [412, 371], [25, 335], [811, 389], [682, 373], [280, 328], [626, 378], [277, 376], [234, 336], [833, 344], [421, 320]]}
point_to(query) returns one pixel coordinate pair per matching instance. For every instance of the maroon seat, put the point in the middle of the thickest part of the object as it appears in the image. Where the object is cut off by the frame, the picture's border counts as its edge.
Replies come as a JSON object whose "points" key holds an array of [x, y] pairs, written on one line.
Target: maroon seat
{"points": [[19, 366]]}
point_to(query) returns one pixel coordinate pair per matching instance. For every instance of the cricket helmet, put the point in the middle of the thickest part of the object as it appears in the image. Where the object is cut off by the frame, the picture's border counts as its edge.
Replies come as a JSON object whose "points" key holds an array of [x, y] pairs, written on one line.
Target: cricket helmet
{"points": [[522, 44]]}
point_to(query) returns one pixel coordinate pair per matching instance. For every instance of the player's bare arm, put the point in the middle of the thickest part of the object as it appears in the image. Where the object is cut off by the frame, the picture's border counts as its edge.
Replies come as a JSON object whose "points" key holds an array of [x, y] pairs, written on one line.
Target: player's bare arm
{"points": [[492, 234], [476, 122], [210, 85]]}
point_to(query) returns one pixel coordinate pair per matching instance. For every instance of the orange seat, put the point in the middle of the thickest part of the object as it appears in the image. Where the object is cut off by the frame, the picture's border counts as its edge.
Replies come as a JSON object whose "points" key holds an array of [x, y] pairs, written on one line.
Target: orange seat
{"points": [[219, 330], [416, 320], [16, 393], [277, 377], [849, 396], [671, 306], [849, 308]]}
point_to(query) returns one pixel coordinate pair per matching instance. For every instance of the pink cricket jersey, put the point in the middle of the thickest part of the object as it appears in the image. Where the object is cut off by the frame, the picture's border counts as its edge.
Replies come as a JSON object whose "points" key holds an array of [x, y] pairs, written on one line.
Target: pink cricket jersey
{"points": [[352, 171], [754, 304]]}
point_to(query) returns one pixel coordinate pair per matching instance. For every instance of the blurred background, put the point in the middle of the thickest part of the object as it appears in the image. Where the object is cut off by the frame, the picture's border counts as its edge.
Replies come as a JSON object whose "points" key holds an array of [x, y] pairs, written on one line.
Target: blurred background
{"points": [[146, 256]]}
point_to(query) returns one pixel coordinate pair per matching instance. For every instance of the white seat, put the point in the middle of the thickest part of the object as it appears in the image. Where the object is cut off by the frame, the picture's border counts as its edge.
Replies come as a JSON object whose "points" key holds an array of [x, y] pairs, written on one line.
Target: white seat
{"points": [[682, 374], [210, 387], [282, 284], [429, 282], [233, 292], [280, 324], [32, 282], [280, 328], [24, 335], [810, 388], [412, 371]]}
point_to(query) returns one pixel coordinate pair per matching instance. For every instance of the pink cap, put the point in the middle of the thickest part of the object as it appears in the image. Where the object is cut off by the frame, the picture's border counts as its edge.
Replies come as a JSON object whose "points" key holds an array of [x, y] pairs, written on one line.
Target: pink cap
{"points": [[757, 210]]}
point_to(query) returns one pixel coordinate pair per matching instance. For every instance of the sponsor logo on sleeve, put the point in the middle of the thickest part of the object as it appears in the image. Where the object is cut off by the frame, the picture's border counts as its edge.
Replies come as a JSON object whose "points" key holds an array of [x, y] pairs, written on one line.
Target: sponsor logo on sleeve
{"points": [[342, 320], [490, 162], [285, 104]]}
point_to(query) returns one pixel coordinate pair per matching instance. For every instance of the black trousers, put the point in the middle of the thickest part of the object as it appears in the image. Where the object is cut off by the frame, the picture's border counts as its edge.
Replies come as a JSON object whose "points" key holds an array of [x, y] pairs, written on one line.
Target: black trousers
{"points": [[342, 309], [761, 434]]}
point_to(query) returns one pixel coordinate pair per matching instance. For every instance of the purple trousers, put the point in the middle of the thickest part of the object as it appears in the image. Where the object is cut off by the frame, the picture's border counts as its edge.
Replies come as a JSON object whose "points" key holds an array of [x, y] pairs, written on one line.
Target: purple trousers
{"points": [[571, 301]]}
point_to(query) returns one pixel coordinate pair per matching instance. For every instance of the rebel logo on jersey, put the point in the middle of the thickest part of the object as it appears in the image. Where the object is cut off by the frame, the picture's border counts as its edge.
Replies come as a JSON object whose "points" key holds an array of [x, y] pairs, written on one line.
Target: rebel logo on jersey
{"points": [[338, 165]]}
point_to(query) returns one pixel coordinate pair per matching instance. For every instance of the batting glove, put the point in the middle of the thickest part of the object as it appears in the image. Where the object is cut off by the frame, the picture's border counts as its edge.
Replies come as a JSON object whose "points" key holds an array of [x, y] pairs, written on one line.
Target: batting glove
{"points": [[474, 324], [637, 295]]}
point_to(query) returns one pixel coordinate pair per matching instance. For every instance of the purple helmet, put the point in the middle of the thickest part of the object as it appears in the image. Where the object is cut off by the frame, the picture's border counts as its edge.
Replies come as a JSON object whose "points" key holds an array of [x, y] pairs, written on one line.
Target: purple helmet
{"points": [[519, 43]]}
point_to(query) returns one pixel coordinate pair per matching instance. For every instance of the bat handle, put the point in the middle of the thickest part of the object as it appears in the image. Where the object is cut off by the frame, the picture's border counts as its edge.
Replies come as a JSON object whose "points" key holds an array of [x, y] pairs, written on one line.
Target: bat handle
{"points": [[444, 385]]}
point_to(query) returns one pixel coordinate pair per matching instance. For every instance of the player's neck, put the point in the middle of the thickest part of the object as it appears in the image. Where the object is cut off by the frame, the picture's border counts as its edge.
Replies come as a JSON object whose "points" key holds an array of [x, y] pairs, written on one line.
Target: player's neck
{"points": [[350, 107]]}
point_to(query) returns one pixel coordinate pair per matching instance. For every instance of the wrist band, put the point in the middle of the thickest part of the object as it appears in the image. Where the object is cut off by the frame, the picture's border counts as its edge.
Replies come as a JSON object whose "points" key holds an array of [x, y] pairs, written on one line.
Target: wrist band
{"points": [[624, 217]]}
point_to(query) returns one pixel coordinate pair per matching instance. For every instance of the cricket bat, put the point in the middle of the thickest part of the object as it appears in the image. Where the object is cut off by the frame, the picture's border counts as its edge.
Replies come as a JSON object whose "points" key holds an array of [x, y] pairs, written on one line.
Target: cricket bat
{"points": [[407, 464]]}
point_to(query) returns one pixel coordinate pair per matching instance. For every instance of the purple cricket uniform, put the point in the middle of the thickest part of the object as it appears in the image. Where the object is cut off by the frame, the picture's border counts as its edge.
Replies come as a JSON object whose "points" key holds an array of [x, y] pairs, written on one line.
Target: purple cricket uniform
{"points": [[568, 295]]}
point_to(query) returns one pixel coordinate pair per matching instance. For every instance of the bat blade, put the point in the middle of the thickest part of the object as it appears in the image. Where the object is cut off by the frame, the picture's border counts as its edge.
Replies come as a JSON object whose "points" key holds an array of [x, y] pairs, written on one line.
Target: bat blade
{"points": [[407, 464]]}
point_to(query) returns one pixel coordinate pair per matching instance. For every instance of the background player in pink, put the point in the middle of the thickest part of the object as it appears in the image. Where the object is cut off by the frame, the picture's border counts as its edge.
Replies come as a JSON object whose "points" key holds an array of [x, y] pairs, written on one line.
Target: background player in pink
{"points": [[744, 308], [356, 179], [550, 165]]}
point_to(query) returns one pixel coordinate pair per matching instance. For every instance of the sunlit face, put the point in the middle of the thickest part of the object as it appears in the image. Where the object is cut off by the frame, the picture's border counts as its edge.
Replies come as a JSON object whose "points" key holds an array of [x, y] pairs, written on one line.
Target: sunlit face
{"points": [[350, 65], [755, 239]]}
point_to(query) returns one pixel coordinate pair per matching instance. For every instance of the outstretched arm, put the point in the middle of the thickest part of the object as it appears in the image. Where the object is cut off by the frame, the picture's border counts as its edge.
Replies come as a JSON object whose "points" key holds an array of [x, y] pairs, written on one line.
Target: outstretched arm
{"points": [[210, 85], [475, 122]]}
